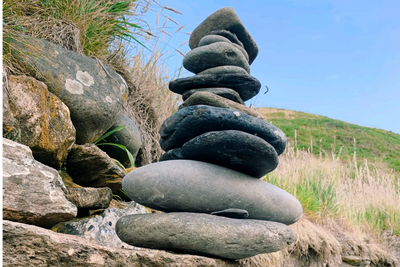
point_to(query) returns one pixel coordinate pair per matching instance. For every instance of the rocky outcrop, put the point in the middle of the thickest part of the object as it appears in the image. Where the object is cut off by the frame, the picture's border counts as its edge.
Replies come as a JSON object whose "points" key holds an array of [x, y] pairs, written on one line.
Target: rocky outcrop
{"points": [[44, 122], [33, 193]]}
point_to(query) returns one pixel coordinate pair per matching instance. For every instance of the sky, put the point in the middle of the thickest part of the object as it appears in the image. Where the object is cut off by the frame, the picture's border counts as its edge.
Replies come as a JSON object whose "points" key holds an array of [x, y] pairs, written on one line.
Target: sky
{"points": [[337, 58]]}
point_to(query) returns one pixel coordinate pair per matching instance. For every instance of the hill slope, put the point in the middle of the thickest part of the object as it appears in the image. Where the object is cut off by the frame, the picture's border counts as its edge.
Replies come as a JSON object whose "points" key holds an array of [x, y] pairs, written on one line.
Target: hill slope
{"points": [[323, 135]]}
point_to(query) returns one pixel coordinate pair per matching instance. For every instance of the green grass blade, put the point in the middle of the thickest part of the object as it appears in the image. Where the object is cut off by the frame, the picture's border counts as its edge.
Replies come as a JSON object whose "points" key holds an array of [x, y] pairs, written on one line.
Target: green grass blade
{"points": [[109, 133]]}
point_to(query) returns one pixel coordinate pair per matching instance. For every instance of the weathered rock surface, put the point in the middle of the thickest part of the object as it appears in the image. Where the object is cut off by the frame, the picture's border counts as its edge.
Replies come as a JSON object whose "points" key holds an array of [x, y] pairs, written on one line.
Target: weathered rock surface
{"points": [[214, 55], [193, 121], [224, 70], [129, 137], [213, 38], [44, 121], [225, 19], [90, 198], [210, 99], [11, 128], [93, 92], [223, 92], [33, 193], [247, 86], [232, 149], [222, 237], [89, 166], [194, 186], [101, 228]]}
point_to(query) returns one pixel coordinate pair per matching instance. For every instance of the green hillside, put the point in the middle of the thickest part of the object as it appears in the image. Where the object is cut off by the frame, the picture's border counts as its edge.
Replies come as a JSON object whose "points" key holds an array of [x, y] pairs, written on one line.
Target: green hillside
{"points": [[329, 135]]}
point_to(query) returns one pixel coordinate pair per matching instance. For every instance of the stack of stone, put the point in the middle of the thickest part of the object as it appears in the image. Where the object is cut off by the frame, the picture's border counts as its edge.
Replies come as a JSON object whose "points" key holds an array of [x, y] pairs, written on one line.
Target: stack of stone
{"points": [[207, 182]]}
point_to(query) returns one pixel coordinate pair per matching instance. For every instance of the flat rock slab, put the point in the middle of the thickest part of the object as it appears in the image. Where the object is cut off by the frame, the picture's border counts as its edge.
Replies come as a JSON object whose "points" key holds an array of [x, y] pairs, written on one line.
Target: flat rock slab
{"points": [[222, 237], [232, 149], [214, 55], [225, 19], [223, 92], [247, 86], [195, 186], [210, 99], [193, 121]]}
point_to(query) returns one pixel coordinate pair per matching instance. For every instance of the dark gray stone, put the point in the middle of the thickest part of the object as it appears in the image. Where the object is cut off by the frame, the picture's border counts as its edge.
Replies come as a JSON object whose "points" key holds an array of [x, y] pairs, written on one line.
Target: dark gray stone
{"points": [[204, 234], [232, 213], [195, 186], [224, 92], [229, 35], [225, 19], [247, 86], [93, 92], [224, 70], [213, 38], [235, 150], [193, 121], [129, 137], [214, 55], [172, 154]]}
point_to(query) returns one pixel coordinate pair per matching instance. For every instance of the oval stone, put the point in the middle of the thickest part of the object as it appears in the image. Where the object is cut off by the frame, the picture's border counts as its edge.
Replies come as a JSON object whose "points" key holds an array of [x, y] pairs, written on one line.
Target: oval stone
{"points": [[214, 55], [213, 38], [195, 186], [193, 121], [224, 70], [224, 92], [204, 234]]}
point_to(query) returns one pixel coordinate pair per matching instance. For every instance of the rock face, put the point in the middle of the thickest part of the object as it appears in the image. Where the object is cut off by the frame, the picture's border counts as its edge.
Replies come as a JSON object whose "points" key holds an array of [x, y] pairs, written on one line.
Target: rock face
{"points": [[93, 92], [33, 193], [223, 237], [44, 121]]}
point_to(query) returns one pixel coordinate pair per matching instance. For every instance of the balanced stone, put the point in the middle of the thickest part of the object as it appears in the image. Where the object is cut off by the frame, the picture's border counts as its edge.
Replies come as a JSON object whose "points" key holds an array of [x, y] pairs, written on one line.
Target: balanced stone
{"points": [[247, 86], [224, 70], [193, 121], [195, 186], [204, 234], [214, 55], [235, 150], [224, 92], [232, 213], [213, 38], [209, 99], [229, 35], [225, 19]]}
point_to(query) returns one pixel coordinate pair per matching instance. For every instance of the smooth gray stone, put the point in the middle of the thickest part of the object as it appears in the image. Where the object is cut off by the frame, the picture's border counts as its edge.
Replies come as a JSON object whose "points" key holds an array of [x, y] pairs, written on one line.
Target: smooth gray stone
{"points": [[172, 154], [224, 92], [224, 70], [234, 150], [232, 213], [247, 86], [225, 19], [195, 186], [189, 122], [214, 55], [214, 38], [229, 35], [204, 234]]}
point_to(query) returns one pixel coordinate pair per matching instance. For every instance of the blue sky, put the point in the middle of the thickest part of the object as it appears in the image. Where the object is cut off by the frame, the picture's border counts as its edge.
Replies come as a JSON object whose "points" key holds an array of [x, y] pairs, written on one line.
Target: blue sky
{"points": [[339, 59]]}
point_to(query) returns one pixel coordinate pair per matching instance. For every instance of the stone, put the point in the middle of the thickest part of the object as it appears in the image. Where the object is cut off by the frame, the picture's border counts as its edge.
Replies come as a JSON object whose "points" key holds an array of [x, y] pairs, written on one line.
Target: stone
{"points": [[224, 70], [224, 92], [101, 228], [213, 38], [11, 128], [204, 234], [232, 213], [90, 198], [189, 122], [33, 193], [214, 55], [172, 154], [93, 92], [229, 35], [195, 186], [210, 99], [232, 149], [225, 19], [129, 137], [89, 166], [44, 121], [28, 245], [247, 86]]}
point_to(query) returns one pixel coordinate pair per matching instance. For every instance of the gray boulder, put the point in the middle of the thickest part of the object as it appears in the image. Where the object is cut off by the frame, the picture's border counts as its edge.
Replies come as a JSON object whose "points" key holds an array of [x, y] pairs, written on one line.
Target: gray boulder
{"points": [[247, 86], [193, 121], [93, 92], [224, 92], [33, 193], [224, 70], [214, 55], [195, 186], [213, 38], [235, 150], [204, 234], [225, 19]]}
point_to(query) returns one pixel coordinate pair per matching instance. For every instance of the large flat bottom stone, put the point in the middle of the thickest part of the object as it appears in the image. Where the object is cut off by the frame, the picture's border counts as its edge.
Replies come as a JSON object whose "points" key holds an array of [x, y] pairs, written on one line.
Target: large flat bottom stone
{"points": [[204, 234]]}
